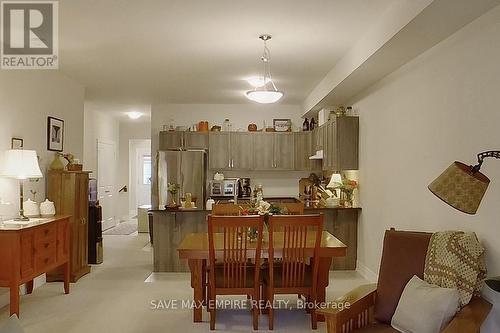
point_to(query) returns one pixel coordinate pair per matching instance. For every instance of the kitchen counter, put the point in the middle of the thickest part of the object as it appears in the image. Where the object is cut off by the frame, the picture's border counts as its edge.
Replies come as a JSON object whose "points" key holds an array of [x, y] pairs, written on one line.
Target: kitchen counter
{"points": [[170, 227]]}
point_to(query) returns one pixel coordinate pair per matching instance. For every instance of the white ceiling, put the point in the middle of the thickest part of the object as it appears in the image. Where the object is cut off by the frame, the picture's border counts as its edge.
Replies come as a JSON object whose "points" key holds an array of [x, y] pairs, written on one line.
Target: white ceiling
{"points": [[199, 51]]}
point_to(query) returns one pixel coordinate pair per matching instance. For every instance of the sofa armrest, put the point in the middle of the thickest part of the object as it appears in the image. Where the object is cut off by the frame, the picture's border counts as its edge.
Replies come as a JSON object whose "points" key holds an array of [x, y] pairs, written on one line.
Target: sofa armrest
{"points": [[355, 307], [470, 318]]}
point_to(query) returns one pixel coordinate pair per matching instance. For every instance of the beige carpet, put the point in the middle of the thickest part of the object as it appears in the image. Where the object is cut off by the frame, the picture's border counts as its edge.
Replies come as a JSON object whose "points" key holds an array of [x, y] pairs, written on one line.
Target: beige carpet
{"points": [[116, 298]]}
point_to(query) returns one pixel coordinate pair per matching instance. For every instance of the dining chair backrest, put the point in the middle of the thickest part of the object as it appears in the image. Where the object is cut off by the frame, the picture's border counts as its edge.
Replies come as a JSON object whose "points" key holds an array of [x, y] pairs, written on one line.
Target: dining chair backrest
{"points": [[292, 208], [230, 246], [228, 209], [292, 235]]}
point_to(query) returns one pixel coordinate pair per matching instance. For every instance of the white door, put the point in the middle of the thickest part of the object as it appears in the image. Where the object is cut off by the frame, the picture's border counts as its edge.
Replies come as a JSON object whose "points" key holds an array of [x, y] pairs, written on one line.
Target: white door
{"points": [[106, 169], [144, 168]]}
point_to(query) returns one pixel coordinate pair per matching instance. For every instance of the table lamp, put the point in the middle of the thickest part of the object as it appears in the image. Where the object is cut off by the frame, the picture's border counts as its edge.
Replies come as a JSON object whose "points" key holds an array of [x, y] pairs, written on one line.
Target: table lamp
{"points": [[21, 164], [335, 181], [462, 186]]}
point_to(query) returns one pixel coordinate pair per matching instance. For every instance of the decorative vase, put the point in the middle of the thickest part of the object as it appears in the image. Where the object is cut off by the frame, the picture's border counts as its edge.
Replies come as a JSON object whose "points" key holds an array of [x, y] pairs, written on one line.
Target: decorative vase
{"points": [[47, 208], [31, 208], [56, 163]]}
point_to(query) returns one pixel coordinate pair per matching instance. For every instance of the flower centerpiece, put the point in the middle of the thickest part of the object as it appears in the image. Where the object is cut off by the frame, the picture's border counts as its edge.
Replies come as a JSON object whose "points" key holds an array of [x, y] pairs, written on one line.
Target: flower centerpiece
{"points": [[172, 188], [346, 191]]}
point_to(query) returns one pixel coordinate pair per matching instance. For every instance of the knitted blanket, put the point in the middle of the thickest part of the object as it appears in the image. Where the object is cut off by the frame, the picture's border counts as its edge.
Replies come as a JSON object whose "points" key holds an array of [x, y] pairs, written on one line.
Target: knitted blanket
{"points": [[455, 259]]}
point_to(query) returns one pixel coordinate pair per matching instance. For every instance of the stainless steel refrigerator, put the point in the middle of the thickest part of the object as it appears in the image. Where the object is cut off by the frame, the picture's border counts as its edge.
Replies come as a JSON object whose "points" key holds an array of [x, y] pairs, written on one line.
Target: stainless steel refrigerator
{"points": [[188, 168]]}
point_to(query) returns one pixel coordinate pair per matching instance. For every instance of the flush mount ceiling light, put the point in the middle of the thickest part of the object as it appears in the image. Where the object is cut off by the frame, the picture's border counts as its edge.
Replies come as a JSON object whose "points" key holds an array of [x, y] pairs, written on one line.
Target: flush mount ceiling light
{"points": [[267, 92], [134, 115]]}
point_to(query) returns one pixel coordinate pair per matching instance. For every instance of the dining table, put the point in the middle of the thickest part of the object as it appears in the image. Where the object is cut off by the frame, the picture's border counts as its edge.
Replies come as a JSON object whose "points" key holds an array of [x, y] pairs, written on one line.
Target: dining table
{"points": [[194, 248]]}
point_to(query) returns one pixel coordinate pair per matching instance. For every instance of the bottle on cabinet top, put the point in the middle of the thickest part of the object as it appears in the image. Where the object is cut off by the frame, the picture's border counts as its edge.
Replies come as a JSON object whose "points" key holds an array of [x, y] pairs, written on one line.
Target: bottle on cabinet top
{"points": [[305, 125]]}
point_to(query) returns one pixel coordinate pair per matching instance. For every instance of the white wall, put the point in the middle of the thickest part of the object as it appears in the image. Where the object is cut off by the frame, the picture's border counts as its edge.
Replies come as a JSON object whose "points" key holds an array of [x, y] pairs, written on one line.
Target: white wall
{"points": [[103, 127], [442, 106], [26, 99], [136, 130], [284, 183]]}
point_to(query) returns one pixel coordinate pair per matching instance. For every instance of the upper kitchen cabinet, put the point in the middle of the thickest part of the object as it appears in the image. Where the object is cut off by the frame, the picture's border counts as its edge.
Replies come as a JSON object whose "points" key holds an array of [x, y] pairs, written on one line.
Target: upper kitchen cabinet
{"points": [[273, 151], [263, 151], [231, 151], [340, 144], [241, 151], [303, 150], [196, 140], [284, 151], [219, 150], [317, 138], [183, 140]]}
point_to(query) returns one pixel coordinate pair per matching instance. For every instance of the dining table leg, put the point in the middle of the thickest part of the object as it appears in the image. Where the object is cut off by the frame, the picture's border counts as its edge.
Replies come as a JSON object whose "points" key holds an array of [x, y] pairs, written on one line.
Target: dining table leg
{"points": [[196, 267], [323, 281]]}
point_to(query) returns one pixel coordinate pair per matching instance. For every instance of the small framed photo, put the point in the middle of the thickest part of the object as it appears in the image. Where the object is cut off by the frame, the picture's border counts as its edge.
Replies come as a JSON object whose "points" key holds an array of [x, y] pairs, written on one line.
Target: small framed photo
{"points": [[55, 134], [282, 125], [16, 143]]}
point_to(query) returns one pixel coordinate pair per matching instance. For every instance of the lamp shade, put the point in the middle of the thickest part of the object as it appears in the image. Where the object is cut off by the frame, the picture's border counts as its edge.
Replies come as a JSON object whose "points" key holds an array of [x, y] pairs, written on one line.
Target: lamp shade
{"points": [[460, 188], [21, 164], [335, 181]]}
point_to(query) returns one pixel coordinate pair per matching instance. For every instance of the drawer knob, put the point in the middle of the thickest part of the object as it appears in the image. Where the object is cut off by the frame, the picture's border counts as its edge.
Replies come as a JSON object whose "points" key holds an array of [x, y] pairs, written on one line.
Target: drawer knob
{"points": [[46, 231], [46, 260], [46, 245]]}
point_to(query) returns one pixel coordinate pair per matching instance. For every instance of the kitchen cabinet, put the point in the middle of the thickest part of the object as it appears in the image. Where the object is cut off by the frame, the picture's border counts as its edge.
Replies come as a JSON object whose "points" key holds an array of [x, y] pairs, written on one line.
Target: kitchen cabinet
{"points": [[218, 151], [341, 144], [183, 140], [317, 138], [273, 151], [284, 151], [231, 151], [303, 144], [241, 151], [263, 151], [195, 140]]}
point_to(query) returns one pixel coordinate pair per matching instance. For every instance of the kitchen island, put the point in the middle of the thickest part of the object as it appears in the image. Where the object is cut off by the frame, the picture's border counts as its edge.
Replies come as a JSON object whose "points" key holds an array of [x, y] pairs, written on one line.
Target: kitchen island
{"points": [[171, 227]]}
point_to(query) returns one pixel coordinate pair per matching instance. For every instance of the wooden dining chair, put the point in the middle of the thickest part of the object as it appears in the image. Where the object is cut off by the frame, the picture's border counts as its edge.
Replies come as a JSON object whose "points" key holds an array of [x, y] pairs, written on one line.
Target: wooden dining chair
{"points": [[297, 271], [232, 273], [228, 209], [292, 208]]}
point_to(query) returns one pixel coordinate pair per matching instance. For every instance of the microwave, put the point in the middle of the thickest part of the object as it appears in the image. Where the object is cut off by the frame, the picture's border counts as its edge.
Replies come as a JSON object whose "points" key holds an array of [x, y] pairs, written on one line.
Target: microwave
{"points": [[224, 188]]}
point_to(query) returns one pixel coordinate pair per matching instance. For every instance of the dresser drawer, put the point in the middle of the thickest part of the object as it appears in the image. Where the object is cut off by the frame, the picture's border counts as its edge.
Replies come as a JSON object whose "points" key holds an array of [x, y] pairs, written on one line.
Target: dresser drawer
{"points": [[45, 258], [46, 233], [44, 246]]}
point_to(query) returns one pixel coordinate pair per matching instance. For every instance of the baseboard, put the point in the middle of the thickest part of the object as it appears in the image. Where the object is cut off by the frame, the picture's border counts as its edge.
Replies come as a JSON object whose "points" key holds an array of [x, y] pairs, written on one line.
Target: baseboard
{"points": [[5, 293], [367, 273]]}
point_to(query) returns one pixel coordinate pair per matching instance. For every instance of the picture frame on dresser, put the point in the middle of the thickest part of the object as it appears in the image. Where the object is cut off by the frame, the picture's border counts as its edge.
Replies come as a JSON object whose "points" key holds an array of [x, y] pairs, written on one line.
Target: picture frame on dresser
{"points": [[55, 134]]}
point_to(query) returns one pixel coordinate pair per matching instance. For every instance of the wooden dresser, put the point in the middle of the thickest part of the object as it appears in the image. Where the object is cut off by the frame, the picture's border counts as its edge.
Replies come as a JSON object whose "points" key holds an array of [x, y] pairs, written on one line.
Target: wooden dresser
{"points": [[30, 250], [69, 192]]}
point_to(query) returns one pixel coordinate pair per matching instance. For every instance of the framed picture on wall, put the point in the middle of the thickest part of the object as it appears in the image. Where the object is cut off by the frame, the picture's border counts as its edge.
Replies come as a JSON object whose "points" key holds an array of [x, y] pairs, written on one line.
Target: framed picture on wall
{"points": [[55, 134], [282, 125], [16, 143]]}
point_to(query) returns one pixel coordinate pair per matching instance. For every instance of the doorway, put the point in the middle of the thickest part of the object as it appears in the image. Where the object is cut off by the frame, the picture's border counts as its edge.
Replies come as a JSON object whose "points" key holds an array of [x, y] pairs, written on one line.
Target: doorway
{"points": [[140, 169], [106, 169]]}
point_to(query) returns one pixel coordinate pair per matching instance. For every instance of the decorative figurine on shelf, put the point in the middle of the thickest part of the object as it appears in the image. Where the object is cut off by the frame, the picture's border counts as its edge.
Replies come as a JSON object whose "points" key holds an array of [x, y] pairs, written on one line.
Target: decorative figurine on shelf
{"points": [[172, 188], [73, 163]]}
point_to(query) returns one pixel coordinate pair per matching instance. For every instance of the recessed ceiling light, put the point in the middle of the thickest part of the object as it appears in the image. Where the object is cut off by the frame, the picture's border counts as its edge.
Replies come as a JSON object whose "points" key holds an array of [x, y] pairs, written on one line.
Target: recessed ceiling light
{"points": [[258, 81], [134, 115]]}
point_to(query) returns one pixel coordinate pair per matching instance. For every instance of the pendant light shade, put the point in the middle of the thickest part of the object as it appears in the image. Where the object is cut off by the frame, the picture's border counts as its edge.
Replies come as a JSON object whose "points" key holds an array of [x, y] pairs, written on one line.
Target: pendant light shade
{"points": [[265, 92], [264, 96]]}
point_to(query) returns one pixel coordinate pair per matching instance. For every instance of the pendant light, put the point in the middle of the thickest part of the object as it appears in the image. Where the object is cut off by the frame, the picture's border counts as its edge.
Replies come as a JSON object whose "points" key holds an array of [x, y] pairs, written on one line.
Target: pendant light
{"points": [[267, 93]]}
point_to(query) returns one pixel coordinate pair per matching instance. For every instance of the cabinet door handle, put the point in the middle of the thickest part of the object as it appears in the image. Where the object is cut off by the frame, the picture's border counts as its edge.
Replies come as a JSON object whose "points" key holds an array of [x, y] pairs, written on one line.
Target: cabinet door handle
{"points": [[232, 163]]}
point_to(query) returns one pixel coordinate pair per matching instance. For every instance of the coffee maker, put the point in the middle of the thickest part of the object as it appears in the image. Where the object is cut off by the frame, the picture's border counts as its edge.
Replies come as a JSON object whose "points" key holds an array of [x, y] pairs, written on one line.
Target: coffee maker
{"points": [[246, 188]]}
